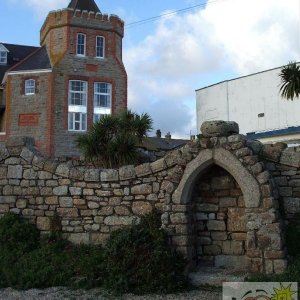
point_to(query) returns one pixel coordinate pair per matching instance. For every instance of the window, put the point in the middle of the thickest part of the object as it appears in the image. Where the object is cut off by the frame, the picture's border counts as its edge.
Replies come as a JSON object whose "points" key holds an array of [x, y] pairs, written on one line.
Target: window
{"points": [[29, 87], [77, 105], [77, 121], [77, 92], [81, 44], [102, 94], [100, 46], [102, 100], [3, 57]]}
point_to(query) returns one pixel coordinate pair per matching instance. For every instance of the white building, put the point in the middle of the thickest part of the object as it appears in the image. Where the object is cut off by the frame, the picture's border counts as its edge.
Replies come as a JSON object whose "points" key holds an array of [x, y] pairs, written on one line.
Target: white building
{"points": [[255, 103]]}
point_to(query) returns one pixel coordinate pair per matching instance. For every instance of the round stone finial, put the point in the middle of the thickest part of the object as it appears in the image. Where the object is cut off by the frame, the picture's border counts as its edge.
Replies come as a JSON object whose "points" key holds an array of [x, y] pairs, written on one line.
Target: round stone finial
{"points": [[219, 128]]}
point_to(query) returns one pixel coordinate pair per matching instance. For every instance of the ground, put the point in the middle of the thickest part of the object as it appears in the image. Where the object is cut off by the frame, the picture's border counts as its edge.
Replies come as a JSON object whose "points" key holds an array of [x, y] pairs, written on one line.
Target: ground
{"points": [[64, 293]]}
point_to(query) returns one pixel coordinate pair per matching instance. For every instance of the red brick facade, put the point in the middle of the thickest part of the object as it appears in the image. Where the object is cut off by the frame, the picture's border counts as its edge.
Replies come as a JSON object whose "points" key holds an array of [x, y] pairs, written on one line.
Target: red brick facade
{"points": [[44, 115]]}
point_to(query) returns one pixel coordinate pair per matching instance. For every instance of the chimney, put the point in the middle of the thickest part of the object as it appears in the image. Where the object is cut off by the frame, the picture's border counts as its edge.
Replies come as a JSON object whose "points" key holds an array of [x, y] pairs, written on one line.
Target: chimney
{"points": [[168, 136], [158, 133]]}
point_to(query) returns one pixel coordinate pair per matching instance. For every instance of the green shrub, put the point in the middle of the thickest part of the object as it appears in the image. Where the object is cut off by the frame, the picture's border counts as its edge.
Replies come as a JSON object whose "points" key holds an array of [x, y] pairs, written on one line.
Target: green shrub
{"points": [[16, 234], [138, 259]]}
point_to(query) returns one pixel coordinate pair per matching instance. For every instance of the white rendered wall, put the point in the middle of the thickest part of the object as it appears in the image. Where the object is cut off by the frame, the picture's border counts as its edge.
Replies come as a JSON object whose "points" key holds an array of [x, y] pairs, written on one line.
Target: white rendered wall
{"points": [[242, 99]]}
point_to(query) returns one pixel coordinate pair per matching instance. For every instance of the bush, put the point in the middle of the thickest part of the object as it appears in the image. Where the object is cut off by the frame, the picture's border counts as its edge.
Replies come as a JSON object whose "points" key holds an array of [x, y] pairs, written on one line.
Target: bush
{"points": [[139, 260], [136, 259]]}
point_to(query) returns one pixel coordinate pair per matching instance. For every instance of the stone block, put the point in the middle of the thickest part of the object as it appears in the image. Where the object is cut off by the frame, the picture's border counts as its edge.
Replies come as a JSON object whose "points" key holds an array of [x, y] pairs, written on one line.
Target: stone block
{"points": [[143, 170], [290, 158], [233, 247], [99, 238], [21, 203], [142, 189], [68, 212], [60, 190], [43, 223], [216, 225], [3, 172], [109, 175], [219, 128], [167, 186], [228, 202], [180, 240], [158, 165], [122, 211], [141, 208], [279, 265], [92, 175], [291, 205], [106, 211], [236, 220], [232, 262], [4, 208], [53, 200], [212, 250], [120, 220], [178, 218], [63, 170], [172, 158], [27, 154], [66, 202], [274, 254], [44, 175], [79, 201], [127, 172], [219, 236], [204, 240], [15, 171], [79, 238], [93, 205], [7, 199], [204, 207], [75, 191], [239, 236]]}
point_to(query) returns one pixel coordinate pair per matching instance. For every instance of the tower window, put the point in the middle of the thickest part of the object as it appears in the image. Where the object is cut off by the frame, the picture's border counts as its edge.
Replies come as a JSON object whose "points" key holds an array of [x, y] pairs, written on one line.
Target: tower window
{"points": [[100, 46], [77, 105], [29, 87], [102, 99], [81, 44]]}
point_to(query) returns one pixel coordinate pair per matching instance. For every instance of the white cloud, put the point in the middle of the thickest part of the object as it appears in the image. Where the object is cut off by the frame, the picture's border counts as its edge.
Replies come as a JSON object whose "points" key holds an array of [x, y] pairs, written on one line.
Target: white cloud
{"points": [[238, 35], [42, 7]]}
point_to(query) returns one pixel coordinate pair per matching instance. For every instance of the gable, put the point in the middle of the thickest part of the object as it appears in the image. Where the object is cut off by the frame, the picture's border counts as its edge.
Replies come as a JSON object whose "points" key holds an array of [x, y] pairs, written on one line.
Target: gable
{"points": [[3, 48]]}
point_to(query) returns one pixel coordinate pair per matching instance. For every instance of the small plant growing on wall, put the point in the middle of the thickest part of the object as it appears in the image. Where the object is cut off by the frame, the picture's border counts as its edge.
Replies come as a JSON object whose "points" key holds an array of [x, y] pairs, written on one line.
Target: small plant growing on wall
{"points": [[113, 139]]}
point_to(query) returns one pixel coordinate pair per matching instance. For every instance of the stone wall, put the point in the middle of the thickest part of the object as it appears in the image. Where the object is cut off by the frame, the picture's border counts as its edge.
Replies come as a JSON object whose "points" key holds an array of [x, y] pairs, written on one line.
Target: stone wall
{"points": [[223, 190]]}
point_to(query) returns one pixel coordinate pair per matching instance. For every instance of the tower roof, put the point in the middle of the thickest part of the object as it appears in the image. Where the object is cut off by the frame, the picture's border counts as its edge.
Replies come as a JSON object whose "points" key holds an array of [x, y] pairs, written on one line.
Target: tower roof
{"points": [[88, 5]]}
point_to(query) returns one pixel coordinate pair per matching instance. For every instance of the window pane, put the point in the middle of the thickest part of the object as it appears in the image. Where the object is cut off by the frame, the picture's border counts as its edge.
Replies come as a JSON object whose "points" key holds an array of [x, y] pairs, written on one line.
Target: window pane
{"points": [[102, 94], [77, 92], [100, 46], [81, 44], [29, 86]]}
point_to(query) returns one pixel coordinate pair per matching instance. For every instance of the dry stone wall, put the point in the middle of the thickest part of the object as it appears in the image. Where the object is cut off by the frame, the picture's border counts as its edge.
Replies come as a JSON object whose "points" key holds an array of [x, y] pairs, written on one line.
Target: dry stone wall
{"points": [[91, 202]]}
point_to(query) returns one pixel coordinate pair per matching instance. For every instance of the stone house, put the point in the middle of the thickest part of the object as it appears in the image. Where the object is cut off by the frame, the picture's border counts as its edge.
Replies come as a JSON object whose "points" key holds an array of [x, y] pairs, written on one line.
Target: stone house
{"points": [[56, 91]]}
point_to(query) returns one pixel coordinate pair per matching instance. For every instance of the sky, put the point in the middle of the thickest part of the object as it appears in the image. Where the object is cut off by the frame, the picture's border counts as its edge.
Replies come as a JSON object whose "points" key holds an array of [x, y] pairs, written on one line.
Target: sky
{"points": [[169, 58]]}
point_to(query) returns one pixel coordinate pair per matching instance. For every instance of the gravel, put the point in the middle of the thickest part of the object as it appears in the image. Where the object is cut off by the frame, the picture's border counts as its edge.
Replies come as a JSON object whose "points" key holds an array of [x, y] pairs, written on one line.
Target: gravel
{"points": [[64, 293]]}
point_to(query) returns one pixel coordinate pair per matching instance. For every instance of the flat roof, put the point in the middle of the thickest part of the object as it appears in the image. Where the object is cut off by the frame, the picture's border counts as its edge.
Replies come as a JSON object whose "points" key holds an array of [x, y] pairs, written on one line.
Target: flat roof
{"points": [[240, 77]]}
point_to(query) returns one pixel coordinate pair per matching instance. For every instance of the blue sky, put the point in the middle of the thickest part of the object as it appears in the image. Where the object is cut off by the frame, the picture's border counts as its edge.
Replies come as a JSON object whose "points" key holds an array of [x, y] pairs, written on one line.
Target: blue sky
{"points": [[168, 59]]}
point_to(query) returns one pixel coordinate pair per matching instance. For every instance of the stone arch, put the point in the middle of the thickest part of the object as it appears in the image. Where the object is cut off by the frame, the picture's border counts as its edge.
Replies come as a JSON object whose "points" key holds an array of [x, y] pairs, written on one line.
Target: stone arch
{"points": [[264, 248], [227, 161]]}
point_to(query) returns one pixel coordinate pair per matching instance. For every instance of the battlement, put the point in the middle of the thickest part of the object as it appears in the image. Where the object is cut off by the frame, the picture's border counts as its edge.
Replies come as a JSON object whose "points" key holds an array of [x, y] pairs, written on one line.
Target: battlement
{"points": [[84, 19]]}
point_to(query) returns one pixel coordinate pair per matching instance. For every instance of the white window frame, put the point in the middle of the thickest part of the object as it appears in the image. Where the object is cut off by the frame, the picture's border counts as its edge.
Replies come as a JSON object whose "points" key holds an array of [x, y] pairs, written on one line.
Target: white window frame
{"points": [[99, 47], [80, 44], [29, 87], [77, 118], [98, 109], [3, 57], [77, 113]]}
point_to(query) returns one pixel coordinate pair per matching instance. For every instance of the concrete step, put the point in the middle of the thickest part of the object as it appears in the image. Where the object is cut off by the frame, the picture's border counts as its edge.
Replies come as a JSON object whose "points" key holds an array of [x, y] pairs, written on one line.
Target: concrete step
{"points": [[215, 276]]}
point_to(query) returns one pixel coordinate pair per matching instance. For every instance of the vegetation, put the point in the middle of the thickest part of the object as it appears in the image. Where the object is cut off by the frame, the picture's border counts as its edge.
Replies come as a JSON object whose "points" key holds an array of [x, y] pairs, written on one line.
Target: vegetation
{"points": [[292, 272], [139, 260], [136, 259], [113, 139], [290, 78]]}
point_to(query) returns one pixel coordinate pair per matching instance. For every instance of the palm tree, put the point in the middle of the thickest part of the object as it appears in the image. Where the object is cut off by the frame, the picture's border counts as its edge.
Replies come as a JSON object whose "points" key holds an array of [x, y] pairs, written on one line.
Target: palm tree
{"points": [[113, 139], [290, 79]]}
